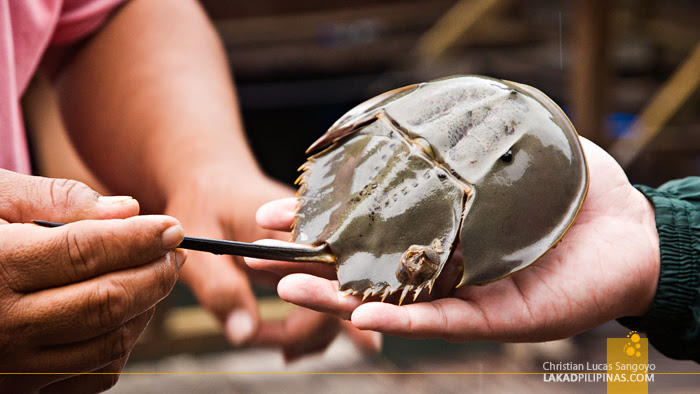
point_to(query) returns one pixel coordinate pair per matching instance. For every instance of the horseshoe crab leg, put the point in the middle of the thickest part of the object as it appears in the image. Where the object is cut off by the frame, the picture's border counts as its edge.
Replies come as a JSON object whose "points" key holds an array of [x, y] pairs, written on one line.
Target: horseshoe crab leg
{"points": [[318, 254]]}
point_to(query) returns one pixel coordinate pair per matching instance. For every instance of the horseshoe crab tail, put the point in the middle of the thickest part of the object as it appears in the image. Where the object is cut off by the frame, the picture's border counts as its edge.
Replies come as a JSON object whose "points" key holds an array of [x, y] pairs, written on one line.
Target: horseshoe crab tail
{"points": [[318, 254]]}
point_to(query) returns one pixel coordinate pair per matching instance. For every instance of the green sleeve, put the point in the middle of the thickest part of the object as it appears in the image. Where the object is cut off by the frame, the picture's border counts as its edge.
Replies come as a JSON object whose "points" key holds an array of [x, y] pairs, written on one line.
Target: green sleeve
{"points": [[673, 322]]}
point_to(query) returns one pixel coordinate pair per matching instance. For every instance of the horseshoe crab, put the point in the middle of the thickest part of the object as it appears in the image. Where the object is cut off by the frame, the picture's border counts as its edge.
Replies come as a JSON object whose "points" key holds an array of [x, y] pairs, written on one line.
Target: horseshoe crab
{"points": [[404, 177]]}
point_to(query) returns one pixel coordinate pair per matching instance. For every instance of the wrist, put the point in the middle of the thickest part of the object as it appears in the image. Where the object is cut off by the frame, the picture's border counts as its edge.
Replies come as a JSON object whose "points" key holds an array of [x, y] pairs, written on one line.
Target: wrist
{"points": [[677, 280], [212, 179], [201, 168], [651, 258]]}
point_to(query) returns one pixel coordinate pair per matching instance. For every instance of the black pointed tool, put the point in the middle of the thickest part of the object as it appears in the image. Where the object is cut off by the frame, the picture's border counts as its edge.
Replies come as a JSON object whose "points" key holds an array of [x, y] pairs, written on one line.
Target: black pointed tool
{"points": [[319, 254]]}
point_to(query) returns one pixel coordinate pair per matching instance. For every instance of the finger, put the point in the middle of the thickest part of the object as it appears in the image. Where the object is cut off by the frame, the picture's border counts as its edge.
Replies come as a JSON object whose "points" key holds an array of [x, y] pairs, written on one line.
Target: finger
{"points": [[318, 294], [262, 278], [283, 268], [98, 381], [101, 304], [448, 318], [62, 362], [220, 285], [309, 332], [222, 288], [369, 342], [38, 258], [24, 198], [303, 332], [29, 383], [277, 215], [94, 353]]}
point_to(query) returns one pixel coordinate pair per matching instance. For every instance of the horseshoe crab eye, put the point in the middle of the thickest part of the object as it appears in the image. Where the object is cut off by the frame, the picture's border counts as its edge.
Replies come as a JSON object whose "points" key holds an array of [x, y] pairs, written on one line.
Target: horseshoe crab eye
{"points": [[425, 145], [508, 157]]}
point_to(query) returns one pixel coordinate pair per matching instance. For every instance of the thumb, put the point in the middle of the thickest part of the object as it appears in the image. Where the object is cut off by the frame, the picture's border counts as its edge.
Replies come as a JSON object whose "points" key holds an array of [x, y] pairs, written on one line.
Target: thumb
{"points": [[24, 198]]}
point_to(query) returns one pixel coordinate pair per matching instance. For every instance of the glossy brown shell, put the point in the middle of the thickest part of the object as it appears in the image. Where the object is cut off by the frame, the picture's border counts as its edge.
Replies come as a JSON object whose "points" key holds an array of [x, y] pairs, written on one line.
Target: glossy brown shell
{"points": [[402, 178]]}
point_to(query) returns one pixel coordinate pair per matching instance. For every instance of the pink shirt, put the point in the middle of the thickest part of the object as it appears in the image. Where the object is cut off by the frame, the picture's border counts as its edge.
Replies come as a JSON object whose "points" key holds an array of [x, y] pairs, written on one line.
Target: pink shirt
{"points": [[27, 29]]}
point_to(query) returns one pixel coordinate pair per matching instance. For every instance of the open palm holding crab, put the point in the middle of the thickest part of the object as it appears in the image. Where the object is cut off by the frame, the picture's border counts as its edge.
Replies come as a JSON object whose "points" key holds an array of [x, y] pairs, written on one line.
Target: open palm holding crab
{"points": [[605, 267]]}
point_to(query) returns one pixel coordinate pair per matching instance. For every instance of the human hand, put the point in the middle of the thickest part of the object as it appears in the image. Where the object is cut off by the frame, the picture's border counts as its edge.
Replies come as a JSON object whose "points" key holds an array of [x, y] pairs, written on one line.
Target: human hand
{"points": [[304, 332], [222, 284], [223, 210], [189, 148], [605, 267], [74, 299]]}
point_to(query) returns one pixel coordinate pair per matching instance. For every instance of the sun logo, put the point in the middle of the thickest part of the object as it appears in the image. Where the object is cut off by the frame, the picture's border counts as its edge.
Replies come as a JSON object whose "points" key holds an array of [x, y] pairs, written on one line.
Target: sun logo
{"points": [[632, 347]]}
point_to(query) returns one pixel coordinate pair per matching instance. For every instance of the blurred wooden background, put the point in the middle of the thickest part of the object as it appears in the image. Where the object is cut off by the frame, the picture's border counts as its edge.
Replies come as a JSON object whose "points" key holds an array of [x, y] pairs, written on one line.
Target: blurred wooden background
{"points": [[610, 64]]}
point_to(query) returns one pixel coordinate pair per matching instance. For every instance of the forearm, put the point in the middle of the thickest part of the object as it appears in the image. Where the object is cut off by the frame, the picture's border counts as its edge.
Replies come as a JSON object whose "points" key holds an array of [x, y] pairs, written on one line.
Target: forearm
{"points": [[150, 104]]}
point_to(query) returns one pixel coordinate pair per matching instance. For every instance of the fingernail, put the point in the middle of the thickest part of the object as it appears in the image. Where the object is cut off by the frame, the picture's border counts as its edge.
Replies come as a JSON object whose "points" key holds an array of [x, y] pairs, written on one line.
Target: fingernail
{"points": [[172, 237], [180, 257], [110, 200], [239, 327]]}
